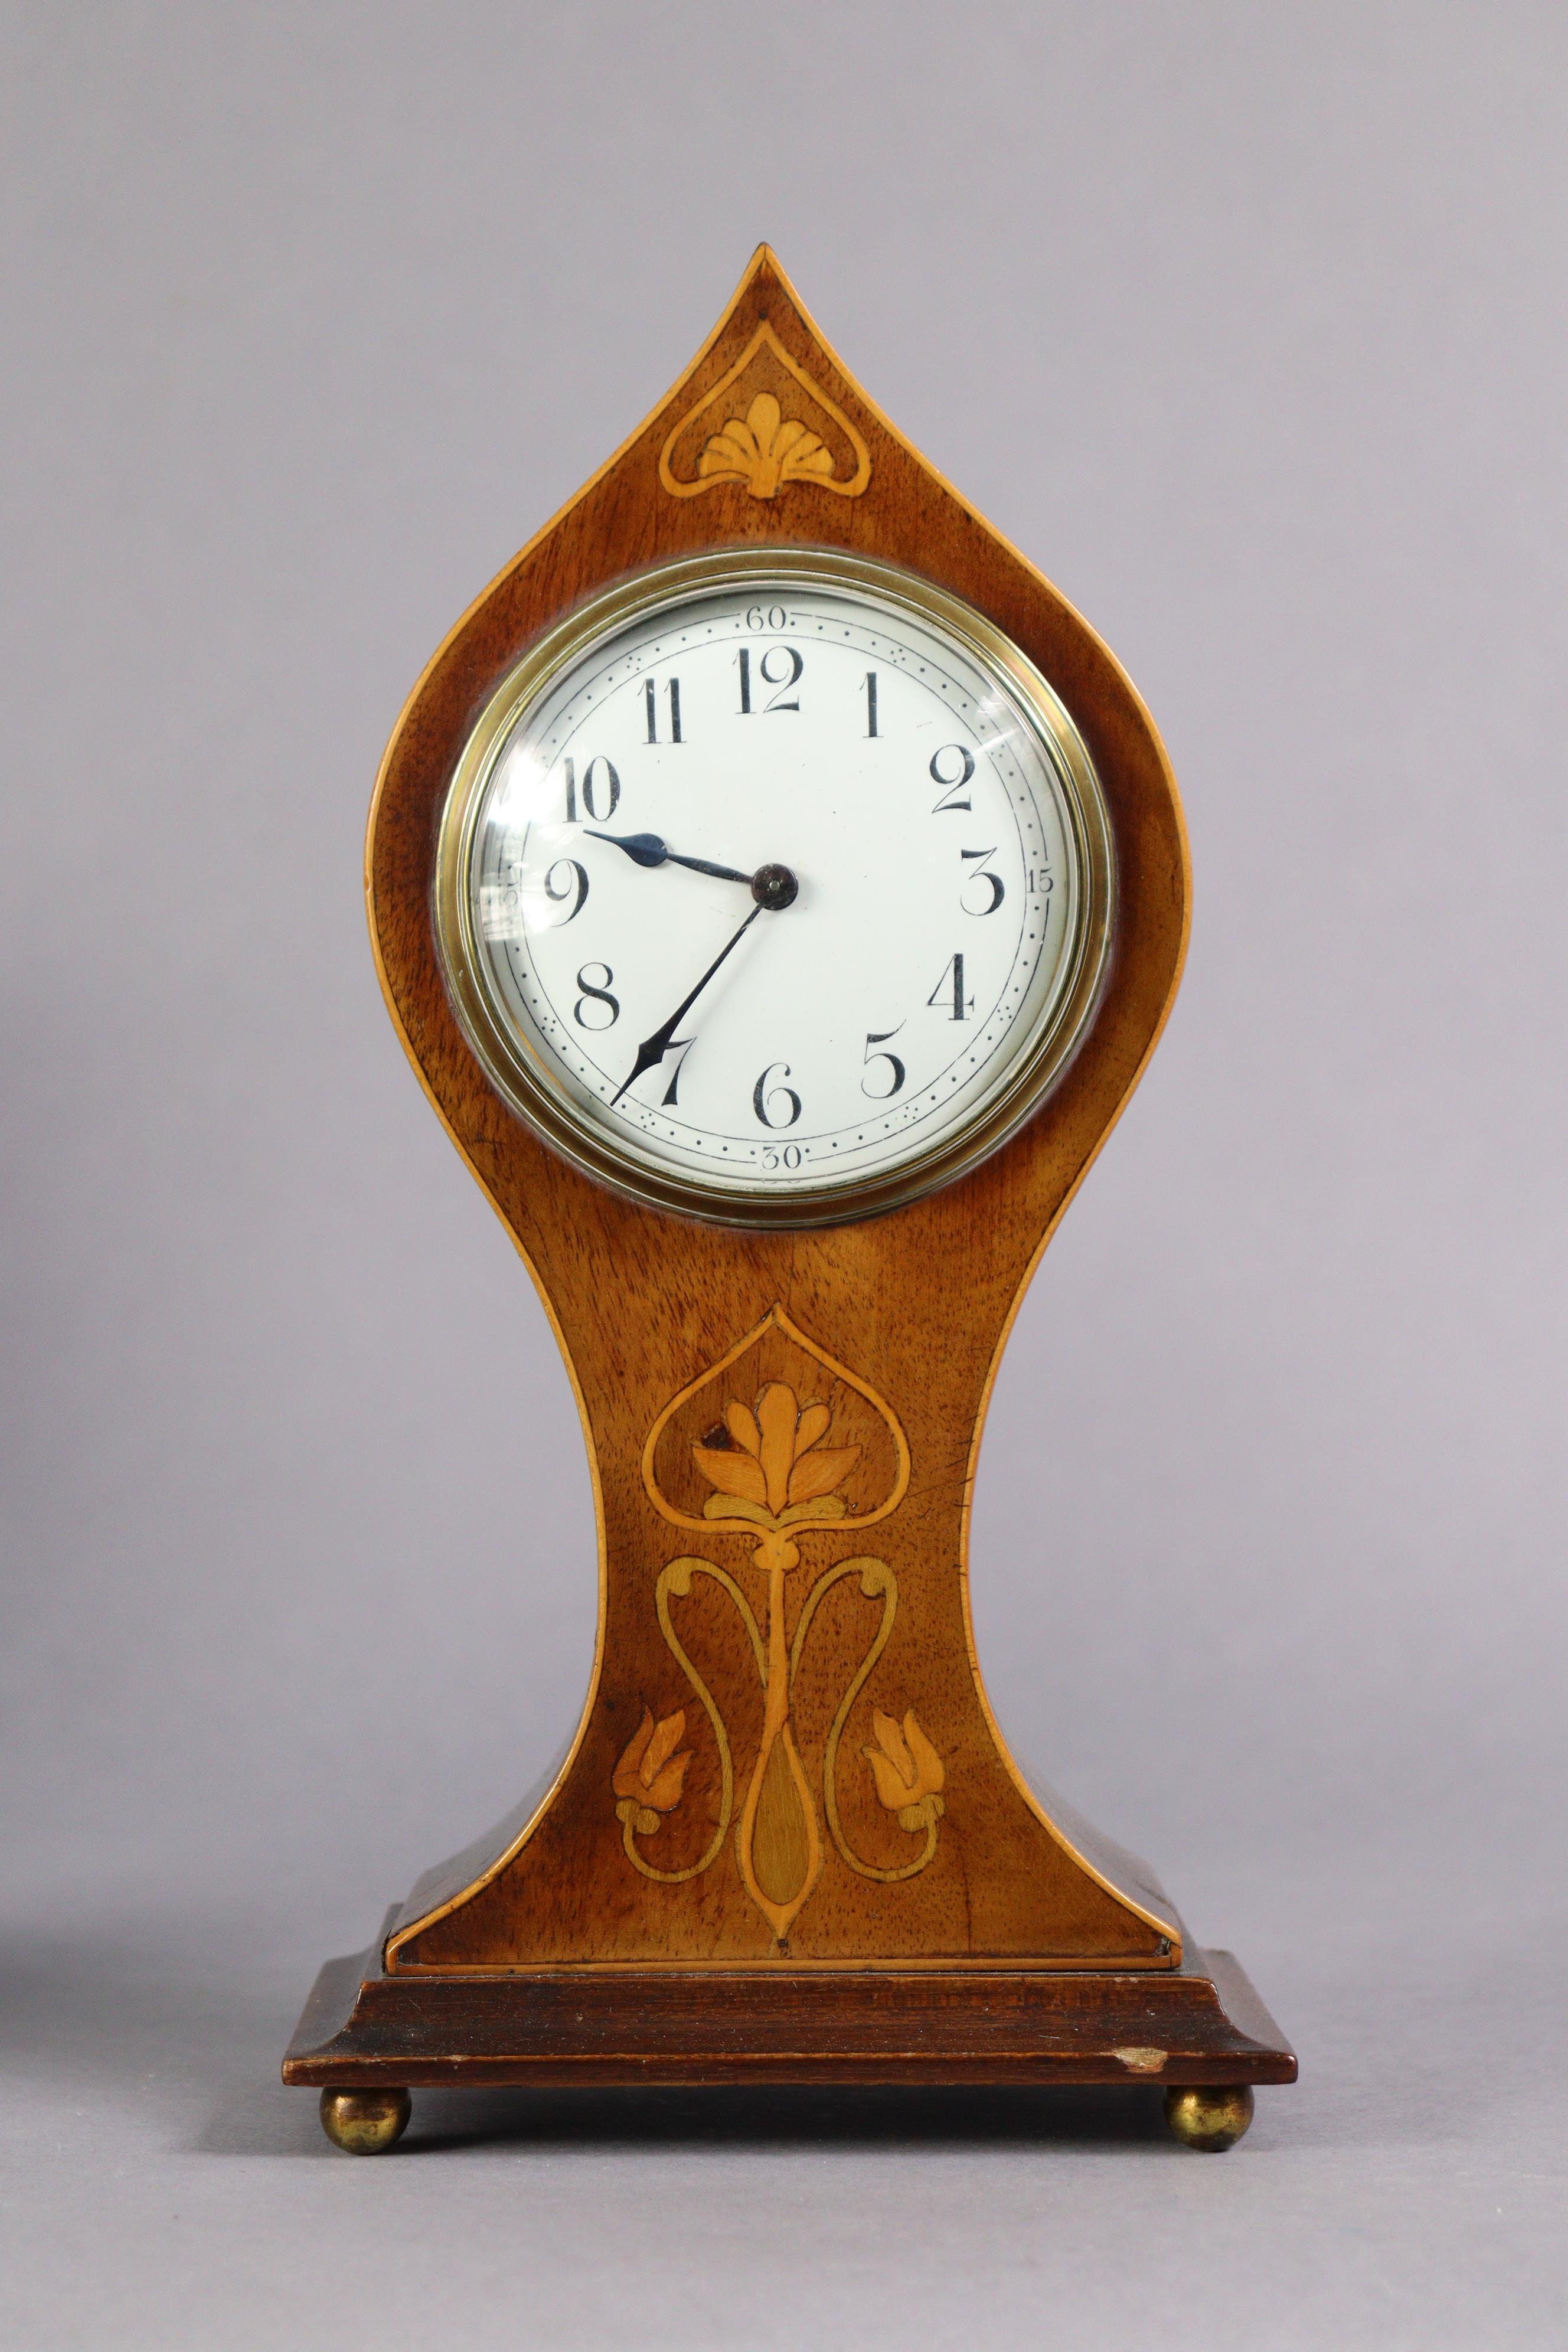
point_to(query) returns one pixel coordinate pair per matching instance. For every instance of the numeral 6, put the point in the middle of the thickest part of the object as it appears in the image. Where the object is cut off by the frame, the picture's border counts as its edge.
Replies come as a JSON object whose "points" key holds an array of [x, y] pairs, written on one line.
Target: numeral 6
{"points": [[764, 1097]]}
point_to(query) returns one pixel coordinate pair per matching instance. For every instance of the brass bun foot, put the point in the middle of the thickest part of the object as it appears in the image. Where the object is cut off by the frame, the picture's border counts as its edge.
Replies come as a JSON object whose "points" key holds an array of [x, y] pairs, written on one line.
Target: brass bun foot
{"points": [[1210, 2120], [364, 2123]]}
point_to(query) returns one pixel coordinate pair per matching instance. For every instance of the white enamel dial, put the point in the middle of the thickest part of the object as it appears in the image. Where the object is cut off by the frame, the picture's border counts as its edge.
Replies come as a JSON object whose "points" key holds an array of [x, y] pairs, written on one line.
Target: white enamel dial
{"points": [[775, 885]]}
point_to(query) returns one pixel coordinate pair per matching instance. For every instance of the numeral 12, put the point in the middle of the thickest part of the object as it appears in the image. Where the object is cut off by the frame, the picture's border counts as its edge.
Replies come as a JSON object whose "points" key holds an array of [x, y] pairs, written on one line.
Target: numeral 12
{"points": [[771, 675]]}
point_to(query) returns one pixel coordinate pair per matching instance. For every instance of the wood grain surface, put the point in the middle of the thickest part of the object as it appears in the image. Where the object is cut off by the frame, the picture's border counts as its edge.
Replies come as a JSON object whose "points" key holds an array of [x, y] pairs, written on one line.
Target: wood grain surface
{"points": [[1201, 2023], [893, 1325]]}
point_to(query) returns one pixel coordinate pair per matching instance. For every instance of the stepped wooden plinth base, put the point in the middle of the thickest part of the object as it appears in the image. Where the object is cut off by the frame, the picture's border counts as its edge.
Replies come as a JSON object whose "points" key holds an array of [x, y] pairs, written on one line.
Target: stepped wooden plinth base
{"points": [[1199, 2025]]}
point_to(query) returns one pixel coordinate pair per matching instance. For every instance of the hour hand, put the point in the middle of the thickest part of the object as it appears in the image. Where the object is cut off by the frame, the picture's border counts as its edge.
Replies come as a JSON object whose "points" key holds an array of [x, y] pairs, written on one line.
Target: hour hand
{"points": [[647, 849]]}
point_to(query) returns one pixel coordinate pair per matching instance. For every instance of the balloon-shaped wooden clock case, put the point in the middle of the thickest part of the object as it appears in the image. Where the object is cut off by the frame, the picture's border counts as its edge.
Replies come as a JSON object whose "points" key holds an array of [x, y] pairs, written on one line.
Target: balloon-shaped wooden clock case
{"points": [[713, 747]]}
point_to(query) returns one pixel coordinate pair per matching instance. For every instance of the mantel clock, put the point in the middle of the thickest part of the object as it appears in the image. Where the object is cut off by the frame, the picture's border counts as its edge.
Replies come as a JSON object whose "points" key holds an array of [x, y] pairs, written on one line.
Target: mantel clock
{"points": [[779, 890]]}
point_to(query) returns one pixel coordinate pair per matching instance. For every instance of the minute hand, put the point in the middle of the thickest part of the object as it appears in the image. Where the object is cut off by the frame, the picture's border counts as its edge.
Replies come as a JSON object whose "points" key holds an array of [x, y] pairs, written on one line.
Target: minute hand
{"points": [[654, 1049]]}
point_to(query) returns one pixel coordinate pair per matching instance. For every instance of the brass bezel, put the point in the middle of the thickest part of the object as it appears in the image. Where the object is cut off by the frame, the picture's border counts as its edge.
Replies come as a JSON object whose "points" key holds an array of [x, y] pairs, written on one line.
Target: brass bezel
{"points": [[522, 1078]]}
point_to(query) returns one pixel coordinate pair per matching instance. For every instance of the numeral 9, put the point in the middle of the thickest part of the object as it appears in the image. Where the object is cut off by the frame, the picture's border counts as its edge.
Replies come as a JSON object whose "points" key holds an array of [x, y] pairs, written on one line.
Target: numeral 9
{"points": [[572, 885]]}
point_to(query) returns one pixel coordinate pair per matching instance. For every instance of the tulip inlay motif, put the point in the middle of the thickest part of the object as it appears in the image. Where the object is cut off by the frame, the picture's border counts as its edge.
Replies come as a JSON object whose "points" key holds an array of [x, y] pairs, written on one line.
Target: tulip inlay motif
{"points": [[776, 1475]]}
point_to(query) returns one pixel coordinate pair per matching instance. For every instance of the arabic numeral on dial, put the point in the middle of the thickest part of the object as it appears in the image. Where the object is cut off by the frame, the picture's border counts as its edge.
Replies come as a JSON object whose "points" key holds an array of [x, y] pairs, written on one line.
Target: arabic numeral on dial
{"points": [[870, 702], [600, 782], [1042, 881], [672, 698], [766, 1096], [596, 992], [790, 1156], [567, 880], [875, 1037], [981, 874], [783, 682], [948, 995], [951, 785], [773, 617], [681, 1046]]}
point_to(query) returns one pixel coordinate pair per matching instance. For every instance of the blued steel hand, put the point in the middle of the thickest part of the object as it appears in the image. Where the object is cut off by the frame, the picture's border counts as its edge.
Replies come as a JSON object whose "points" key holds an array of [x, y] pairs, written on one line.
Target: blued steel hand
{"points": [[647, 849], [654, 1049]]}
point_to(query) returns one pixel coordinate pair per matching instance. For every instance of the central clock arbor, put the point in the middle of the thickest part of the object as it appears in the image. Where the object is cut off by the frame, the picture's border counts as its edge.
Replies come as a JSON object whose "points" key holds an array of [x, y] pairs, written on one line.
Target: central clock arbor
{"points": [[788, 1842]]}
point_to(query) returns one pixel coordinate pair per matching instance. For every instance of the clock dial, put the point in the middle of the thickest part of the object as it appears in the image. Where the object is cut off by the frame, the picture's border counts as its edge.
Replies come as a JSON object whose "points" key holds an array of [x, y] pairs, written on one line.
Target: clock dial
{"points": [[775, 885]]}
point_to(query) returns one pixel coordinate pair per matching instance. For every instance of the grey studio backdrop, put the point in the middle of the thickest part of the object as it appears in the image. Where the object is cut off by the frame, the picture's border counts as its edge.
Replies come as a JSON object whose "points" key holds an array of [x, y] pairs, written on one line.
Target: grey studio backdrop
{"points": [[1245, 323]]}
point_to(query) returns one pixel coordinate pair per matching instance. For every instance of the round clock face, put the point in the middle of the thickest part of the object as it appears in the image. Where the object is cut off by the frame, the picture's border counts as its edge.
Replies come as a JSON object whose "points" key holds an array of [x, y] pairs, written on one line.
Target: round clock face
{"points": [[775, 885]]}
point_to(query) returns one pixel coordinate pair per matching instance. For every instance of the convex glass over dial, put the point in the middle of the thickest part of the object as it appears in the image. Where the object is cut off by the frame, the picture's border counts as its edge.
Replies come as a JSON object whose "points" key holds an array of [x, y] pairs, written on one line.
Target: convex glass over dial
{"points": [[775, 885]]}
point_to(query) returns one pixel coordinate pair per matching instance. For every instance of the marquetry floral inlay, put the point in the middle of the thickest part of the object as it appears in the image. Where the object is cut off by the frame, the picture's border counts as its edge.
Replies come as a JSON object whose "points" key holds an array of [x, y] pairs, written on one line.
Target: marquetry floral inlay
{"points": [[650, 1778], [778, 1478], [766, 423], [765, 449], [907, 1769], [772, 1463]]}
